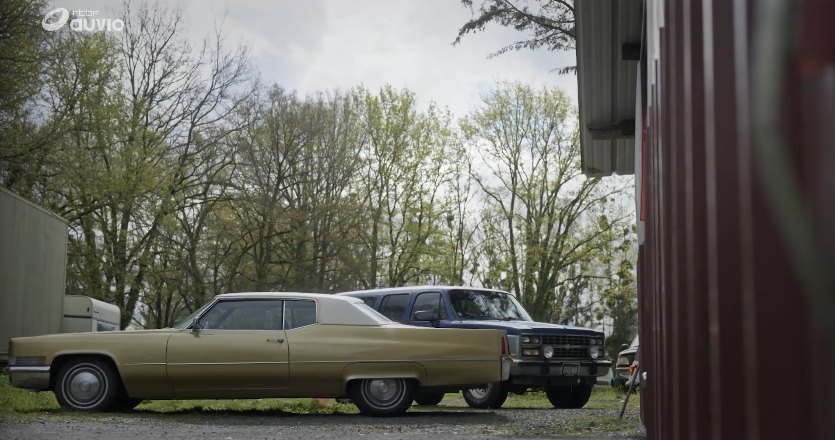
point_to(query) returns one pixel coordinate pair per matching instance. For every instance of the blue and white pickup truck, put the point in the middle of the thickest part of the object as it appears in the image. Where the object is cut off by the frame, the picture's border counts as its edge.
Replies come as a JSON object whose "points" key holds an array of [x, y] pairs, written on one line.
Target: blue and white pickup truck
{"points": [[564, 361]]}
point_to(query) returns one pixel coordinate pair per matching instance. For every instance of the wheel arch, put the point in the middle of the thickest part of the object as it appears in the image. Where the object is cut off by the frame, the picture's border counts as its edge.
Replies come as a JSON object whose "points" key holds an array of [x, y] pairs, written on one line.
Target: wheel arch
{"points": [[411, 371], [60, 359]]}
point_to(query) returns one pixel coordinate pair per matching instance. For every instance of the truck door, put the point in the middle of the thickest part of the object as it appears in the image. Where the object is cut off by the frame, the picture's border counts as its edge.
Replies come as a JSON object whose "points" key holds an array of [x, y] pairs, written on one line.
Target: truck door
{"points": [[428, 304]]}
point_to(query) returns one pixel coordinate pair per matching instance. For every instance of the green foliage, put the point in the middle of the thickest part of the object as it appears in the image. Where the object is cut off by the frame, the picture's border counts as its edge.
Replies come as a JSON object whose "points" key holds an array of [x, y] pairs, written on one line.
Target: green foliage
{"points": [[541, 219], [22, 55], [182, 177]]}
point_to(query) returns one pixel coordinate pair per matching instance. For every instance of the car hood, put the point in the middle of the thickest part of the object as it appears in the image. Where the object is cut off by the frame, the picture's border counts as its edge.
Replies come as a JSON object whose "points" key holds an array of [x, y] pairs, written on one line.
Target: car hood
{"points": [[519, 327], [93, 335]]}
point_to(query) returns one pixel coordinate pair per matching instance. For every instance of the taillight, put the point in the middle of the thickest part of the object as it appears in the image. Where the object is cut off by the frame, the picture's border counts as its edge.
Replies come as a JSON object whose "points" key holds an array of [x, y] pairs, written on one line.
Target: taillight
{"points": [[505, 351]]}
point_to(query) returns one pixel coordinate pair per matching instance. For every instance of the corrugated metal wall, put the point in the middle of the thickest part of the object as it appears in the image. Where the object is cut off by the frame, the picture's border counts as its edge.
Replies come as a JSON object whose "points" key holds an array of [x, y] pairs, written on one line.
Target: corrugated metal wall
{"points": [[33, 260], [729, 342]]}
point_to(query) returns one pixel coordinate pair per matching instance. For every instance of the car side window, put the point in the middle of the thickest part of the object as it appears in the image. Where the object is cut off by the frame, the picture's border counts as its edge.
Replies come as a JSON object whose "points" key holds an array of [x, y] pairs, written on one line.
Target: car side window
{"points": [[393, 306], [369, 300], [299, 314], [429, 301], [244, 315]]}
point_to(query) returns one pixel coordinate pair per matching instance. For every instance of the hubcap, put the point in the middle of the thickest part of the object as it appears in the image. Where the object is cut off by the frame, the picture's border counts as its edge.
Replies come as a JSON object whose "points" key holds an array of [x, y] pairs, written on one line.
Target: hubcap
{"points": [[84, 387], [383, 392], [481, 392]]}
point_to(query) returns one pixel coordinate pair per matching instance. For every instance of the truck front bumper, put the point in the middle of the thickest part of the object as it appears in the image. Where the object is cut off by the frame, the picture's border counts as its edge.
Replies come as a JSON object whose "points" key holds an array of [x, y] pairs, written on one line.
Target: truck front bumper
{"points": [[557, 372], [29, 377], [507, 364]]}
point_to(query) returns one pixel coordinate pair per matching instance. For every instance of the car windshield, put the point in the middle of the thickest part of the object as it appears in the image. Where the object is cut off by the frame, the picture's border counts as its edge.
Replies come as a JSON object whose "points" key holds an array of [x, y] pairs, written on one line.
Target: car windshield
{"points": [[182, 325], [486, 305]]}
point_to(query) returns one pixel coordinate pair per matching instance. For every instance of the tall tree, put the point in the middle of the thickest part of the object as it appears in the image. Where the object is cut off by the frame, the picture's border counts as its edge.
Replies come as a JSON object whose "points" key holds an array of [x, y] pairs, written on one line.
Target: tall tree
{"points": [[23, 48], [541, 213], [140, 116], [400, 182]]}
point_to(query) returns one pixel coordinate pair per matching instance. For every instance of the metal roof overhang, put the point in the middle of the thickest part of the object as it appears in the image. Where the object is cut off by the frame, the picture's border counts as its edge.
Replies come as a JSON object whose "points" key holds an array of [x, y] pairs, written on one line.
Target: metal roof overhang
{"points": [[608, 51]]}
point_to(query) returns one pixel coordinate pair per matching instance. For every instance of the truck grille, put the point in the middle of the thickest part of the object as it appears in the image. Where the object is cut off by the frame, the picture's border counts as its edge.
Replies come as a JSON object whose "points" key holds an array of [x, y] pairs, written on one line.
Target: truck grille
{"points": [[566, 346], [564, 340]]}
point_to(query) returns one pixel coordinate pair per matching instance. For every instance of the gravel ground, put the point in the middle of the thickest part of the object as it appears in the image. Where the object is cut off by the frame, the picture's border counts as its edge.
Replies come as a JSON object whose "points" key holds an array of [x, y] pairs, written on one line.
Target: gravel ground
{"points": [[417, 423]]}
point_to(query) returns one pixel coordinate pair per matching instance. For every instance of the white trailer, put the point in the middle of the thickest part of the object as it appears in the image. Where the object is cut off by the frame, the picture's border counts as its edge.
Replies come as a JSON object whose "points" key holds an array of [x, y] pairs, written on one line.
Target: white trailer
{"points": [[85, 314]]}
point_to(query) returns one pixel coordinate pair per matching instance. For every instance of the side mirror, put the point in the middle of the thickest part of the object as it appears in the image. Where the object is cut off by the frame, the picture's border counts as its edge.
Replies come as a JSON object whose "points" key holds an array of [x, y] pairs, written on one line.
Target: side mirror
{"points": [[195, 326], [426, 315], [623, 347]]}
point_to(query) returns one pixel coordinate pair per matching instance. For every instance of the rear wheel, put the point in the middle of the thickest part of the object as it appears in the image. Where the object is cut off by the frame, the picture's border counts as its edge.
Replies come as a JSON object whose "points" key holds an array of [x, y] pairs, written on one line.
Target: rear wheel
{"points": [[568, 397], [87, 384], [491, 395], [428, 398], [382, 397]]}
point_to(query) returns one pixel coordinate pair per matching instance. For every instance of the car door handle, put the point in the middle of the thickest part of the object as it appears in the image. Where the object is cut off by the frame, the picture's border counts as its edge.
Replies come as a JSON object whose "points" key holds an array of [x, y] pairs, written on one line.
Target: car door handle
{"points": [[279, 340]]}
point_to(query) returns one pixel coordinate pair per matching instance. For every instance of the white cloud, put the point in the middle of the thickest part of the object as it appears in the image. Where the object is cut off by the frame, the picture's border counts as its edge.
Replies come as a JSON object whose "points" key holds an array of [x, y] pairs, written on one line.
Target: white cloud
{"points": [[309, 46]]}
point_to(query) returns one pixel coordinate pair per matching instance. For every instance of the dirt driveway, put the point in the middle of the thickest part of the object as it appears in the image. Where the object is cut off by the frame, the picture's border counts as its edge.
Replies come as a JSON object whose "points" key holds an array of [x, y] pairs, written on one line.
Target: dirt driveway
{"points": [[418, 423]]}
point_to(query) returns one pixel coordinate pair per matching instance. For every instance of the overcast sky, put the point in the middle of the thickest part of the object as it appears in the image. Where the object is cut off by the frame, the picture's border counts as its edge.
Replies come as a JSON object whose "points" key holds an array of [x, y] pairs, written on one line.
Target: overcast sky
{"points": [[310, 45]]}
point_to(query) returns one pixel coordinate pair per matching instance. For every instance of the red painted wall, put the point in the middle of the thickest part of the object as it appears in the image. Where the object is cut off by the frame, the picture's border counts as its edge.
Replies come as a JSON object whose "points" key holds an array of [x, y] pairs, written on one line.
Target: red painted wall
{"points": [[729, 342]]}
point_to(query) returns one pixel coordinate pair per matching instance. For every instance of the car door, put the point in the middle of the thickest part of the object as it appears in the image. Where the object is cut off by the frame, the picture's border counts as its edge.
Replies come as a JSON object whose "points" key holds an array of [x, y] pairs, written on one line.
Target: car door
{"points": [[240, 351]]}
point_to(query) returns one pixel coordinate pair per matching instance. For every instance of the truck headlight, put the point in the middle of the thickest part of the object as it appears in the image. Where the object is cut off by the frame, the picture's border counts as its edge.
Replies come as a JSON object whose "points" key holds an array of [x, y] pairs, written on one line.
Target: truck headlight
{"points": [[548, 351], [530, 339], [596, 352]]}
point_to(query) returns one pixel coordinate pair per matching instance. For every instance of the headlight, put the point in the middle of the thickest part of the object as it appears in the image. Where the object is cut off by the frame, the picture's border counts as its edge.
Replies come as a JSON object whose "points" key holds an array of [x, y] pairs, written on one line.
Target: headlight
{"points": [[548, 351], [530, 339], [595, 342], [530, 352], [596, 352], [622, 361]]}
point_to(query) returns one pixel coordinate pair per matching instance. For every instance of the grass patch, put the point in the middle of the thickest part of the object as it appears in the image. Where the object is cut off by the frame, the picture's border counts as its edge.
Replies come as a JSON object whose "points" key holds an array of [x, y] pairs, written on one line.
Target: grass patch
{"points": [[266, 406], [18, 402], [24, 401]]}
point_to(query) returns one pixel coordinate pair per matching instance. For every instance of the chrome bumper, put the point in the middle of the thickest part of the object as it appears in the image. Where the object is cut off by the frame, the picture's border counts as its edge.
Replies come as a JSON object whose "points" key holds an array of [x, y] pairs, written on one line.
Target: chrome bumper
{"points": [[33, 378], [585, 368]]}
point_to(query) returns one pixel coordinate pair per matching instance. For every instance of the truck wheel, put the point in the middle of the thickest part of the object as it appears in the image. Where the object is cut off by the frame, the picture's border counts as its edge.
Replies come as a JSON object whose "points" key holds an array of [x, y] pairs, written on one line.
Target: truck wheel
{"points": [[382, 397], [87, 384], [491, 395], [568, 397], [428, 398]]}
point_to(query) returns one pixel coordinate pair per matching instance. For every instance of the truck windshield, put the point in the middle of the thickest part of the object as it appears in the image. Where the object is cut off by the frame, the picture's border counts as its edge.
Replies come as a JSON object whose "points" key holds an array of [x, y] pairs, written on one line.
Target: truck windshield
{"points": [[486, 305]]}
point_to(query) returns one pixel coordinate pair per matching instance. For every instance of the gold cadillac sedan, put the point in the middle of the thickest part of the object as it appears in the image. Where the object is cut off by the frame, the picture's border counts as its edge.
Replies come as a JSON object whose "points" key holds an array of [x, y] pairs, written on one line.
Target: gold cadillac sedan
{"points": [[256, 345]]}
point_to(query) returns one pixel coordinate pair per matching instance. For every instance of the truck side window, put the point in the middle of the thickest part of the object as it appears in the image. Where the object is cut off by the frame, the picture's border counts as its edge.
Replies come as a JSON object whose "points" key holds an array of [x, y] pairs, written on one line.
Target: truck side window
{"points": [[393, 306], [429, 301]]}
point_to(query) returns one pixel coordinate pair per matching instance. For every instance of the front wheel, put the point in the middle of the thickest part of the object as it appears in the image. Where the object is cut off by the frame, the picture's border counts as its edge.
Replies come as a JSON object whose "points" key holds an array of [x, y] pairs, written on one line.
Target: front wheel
{"points": [[568, 397], [491, 395], [382, 397], [87, 385]]}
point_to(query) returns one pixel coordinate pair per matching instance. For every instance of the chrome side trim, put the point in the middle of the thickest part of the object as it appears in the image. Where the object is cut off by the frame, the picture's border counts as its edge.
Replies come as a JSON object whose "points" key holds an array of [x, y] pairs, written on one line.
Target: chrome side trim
{"points": [[224, 363], [32, 378], [398, 361]]}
